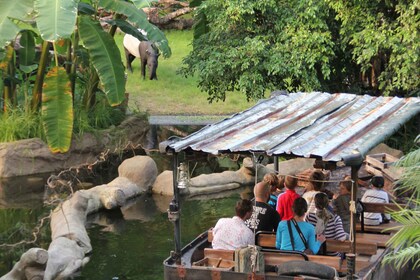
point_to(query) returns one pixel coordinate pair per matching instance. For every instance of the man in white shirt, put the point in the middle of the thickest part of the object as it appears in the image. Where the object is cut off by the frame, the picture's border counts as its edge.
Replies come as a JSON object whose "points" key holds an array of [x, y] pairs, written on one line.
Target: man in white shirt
{"points": [[376, 195], [232, 233]]}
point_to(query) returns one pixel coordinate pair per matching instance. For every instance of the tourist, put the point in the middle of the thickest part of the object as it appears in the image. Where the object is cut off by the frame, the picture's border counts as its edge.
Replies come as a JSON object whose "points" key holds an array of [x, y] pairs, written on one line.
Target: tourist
{"points": [[316, 182], [264, 217], [325, 222], [232, 233], [341, 202], [376, 195], [288, 236], [275, 188], [285, 201]]}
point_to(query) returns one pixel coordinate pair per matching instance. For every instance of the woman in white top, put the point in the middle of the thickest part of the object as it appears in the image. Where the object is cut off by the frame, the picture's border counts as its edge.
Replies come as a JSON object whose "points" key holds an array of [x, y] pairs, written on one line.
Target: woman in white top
{"points": [[315, 185], [232, 233]]}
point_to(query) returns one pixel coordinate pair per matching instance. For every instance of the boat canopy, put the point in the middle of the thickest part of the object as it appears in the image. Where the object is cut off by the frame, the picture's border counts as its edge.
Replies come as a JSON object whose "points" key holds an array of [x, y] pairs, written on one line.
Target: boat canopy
{"points": [[330, 127]]}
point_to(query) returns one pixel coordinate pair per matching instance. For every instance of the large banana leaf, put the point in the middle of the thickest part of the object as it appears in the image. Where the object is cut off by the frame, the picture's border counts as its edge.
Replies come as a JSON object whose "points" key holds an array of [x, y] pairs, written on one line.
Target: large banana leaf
{"points": [[27, 50], [9, 10], [56, 18], [105, 57], [57, 110], [139, 18]]}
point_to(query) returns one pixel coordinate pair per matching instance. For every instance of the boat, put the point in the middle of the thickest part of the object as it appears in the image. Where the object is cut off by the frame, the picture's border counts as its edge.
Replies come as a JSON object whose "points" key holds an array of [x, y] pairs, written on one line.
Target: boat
{"points": [[335, 130]]}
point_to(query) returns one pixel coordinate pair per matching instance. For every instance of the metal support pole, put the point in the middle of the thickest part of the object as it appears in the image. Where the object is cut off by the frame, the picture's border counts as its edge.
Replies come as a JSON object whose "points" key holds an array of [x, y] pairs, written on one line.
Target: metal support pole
{"points": [[174, 213], [351, 264], [354, 177], [276, 164]]}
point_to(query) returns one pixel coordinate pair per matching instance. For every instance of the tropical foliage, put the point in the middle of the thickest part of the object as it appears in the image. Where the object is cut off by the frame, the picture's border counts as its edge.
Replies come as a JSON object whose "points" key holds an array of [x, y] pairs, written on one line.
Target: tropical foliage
{"points": [[407, 239], [335, 46], [86, 61]]}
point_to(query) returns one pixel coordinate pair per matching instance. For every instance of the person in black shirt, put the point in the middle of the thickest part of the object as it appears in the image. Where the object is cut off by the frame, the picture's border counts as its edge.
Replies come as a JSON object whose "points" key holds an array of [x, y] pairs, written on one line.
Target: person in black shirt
{"points": [[264, 217]]}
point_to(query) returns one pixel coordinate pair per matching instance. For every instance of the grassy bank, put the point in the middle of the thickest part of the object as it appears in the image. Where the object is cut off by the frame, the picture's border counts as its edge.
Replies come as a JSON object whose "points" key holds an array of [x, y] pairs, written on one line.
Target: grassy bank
{"points": [[173, 94]]}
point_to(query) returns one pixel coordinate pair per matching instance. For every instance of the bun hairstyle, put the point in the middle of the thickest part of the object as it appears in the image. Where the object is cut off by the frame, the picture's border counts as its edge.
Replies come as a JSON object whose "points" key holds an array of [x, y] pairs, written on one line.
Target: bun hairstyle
{"points": [[377, 181]]}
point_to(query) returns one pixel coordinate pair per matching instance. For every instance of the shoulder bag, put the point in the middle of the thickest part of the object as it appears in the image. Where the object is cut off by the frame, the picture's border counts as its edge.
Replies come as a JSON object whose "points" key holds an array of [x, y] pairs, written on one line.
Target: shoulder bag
{"points": [[307, 251]]}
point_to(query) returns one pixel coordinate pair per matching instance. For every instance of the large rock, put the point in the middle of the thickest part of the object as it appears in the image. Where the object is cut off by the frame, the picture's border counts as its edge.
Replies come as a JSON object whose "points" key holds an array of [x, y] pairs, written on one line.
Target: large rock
{"points": [[164, 184], [32, 156], [130, 168]]}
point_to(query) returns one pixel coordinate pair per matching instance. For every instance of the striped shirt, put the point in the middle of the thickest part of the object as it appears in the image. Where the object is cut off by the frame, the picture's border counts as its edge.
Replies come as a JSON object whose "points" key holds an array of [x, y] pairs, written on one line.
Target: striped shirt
{"points": [[333, 229], [375, 196]]}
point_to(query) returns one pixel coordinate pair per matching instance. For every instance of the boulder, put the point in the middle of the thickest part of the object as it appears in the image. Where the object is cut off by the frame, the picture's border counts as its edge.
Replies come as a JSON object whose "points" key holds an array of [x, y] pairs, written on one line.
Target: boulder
{"points": [[129, 169], [164, 184]]}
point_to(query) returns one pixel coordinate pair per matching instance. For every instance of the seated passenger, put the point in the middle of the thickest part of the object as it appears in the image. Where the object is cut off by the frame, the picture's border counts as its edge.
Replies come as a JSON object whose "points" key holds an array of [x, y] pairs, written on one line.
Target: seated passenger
{"points": [[315, 186], [341, 202], [273, 181], [325, 222], [288, 237], [285, 200], [232, 233], [376, 195], [264, 217]]}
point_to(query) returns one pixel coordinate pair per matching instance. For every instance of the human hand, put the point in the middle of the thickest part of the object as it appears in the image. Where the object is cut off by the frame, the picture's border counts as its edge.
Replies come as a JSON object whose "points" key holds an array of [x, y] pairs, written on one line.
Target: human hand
{"points": [[321, 238]]}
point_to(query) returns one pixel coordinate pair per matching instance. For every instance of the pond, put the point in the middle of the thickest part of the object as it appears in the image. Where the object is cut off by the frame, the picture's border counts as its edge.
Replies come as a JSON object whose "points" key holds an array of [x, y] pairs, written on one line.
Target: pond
{"points": [[128, 243]]}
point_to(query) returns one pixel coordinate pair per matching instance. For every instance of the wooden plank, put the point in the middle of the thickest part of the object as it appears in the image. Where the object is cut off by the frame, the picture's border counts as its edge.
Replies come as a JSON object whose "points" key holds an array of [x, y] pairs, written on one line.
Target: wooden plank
{"points": [[382, 228], [362, 247], [379, 239], [276, 258], [219, 253], [266, 240], [382, 207], [326, 260]]}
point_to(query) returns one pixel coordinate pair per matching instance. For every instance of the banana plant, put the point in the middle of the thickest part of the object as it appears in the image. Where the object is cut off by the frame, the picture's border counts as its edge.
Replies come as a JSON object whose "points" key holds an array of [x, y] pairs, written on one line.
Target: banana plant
{"points": [[75, 24]]}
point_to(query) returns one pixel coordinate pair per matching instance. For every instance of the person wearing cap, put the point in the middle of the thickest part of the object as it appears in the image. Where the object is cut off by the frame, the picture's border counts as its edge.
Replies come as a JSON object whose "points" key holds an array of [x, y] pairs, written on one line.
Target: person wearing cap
{"points": [[376, 195]]}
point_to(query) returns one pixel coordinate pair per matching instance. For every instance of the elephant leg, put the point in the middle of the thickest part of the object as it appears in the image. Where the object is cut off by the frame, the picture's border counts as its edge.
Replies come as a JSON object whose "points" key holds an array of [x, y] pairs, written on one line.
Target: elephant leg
{"points": [[143, 68], [129, 58]]}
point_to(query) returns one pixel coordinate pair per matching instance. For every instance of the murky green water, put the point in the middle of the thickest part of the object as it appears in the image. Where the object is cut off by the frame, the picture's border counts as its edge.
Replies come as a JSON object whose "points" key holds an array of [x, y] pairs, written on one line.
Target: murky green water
{"points": [[128, 243]]}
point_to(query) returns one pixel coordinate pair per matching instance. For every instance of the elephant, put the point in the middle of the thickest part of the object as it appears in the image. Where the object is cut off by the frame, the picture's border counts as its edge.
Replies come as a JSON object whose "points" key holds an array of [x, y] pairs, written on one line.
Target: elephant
{"points": [[147, 53]]}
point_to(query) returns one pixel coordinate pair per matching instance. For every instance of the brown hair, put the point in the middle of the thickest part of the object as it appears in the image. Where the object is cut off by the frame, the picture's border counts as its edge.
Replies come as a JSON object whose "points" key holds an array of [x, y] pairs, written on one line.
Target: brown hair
{"points": [[321, 201], [316, 178], [300, 206], [271, 179], [347, 183], [290, 182], [243, 207]]}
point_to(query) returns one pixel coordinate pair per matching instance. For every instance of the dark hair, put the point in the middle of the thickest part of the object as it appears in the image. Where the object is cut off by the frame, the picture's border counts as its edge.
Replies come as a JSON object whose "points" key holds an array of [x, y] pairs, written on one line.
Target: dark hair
{"points": [[300, 206], [242, 207], [316, 179], [321, 201], [377, 181], [347, 182], [290, 182]]}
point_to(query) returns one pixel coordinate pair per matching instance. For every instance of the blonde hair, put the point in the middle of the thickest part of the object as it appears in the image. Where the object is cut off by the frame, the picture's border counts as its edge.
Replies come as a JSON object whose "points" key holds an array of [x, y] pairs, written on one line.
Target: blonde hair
{"points": [[271, 179]]}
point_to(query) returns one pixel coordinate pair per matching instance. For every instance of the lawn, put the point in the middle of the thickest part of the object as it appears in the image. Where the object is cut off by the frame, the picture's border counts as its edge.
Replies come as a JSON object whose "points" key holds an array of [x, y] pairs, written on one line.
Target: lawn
{"points": [[173, 94]]}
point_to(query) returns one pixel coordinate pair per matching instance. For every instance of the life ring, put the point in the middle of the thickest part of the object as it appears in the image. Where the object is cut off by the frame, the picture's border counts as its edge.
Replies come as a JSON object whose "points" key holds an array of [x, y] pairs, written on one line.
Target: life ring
{"points": [[294, 268]]}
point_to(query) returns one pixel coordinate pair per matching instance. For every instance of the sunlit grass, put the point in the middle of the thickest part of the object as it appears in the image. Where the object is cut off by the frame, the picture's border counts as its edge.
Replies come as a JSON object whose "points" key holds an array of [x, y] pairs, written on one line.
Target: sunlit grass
{"points": [[171, 93]]}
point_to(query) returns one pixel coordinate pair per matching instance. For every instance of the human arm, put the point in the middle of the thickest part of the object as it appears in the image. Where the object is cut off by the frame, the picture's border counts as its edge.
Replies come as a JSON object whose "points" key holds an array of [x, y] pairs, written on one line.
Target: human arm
{"points": [[278, 237], [313, 243], [340, 234]]}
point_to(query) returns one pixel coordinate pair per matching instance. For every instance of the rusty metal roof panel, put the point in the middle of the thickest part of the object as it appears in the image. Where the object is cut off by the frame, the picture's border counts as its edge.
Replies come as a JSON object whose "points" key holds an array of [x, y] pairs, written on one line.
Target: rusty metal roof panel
{"points": [[316, 124]]}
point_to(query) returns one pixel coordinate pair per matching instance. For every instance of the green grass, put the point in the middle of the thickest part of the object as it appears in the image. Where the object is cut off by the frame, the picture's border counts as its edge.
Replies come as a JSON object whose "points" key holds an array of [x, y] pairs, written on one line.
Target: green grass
{"points": [[173, 94]]}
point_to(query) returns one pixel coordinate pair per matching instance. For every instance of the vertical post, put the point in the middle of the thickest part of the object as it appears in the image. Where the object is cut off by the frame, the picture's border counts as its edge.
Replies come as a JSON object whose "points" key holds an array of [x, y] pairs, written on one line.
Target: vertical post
{"points": [[351, 264], [354, 177], [276, 164], [173, 213]]}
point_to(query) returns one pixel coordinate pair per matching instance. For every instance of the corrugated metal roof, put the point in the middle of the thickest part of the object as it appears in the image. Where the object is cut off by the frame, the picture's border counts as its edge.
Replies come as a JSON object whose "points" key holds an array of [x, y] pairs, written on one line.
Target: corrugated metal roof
{"points": [[316, 124]]}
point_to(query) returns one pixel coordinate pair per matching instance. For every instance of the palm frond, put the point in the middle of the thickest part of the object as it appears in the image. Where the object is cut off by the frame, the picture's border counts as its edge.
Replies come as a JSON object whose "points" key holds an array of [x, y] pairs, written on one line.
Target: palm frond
{"points": [[401, 257]]}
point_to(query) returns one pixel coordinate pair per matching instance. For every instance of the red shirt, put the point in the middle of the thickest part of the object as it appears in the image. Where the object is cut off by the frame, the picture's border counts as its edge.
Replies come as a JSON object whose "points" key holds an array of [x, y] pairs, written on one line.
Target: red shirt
{"points": [[284, 204]]}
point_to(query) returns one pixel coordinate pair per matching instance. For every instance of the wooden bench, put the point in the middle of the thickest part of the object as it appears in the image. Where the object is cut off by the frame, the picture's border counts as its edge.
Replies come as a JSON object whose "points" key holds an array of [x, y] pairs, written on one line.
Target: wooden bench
{"points": [[379, 239], [381, 208], [268, 240]]}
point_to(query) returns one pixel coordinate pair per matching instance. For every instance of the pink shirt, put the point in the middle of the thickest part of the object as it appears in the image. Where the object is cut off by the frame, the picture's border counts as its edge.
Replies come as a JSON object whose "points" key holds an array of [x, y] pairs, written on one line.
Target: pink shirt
{"points": [[231, 233]]}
